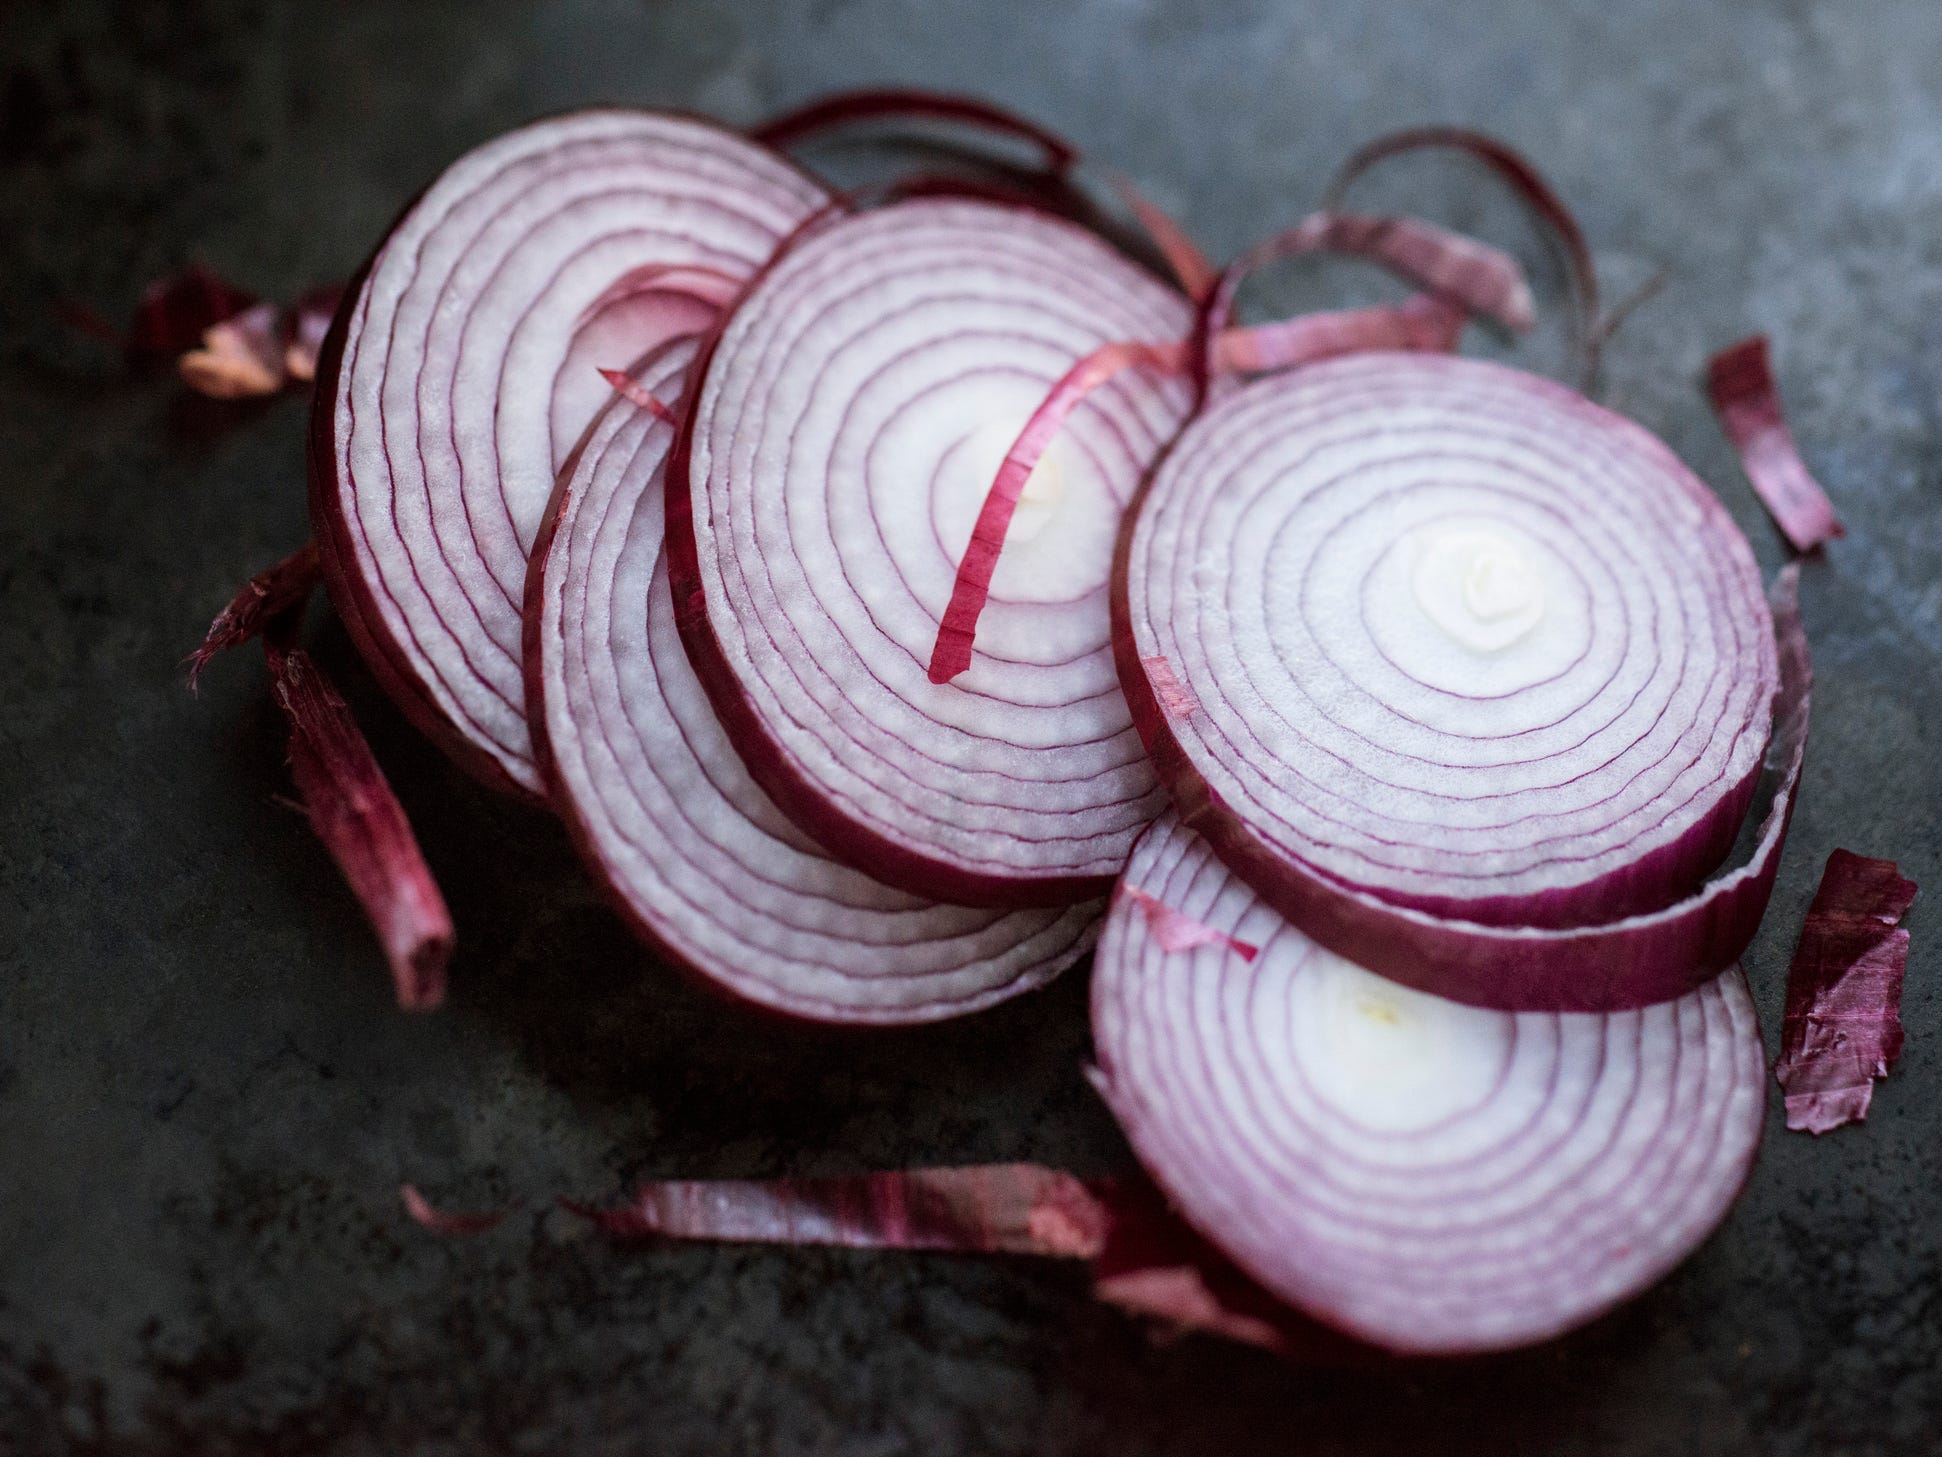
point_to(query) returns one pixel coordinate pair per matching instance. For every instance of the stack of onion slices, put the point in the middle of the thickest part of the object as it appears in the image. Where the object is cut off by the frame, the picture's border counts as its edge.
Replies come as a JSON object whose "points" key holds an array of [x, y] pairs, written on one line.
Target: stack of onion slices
{"points": [[1467, 676]]}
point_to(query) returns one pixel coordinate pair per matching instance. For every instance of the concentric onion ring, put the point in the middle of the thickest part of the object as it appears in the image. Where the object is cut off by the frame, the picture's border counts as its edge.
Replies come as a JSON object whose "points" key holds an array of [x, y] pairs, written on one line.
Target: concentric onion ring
{"points": [[463, 369], [849, 423], [1427, 1176], [1449, 638], [697, 857]]}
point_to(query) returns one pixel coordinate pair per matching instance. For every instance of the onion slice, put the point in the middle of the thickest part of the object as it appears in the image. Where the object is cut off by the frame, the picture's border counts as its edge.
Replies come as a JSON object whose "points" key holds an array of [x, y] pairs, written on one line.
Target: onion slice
{"points": [[848, 422], [1741, 385], [1429, 1177], [1843, 1027], [461, 371], [697, 857], [1480, 674]]}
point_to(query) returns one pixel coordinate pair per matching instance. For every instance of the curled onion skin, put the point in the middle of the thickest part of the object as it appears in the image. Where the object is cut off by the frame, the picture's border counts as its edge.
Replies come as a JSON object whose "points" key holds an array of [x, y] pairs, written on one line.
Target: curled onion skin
{"points": [[460, 371], [848, 422], [1429, 1177], [1565, 774], [698, 859]]}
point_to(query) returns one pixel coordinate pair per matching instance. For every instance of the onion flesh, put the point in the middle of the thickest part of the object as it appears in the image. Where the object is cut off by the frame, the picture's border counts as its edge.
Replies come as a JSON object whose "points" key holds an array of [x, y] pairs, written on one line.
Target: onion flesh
{"points": [[1426, 1176]]}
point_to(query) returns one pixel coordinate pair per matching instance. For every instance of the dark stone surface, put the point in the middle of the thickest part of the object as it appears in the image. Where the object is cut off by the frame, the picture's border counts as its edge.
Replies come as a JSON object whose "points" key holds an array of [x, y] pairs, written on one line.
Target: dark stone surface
{"points": [[206, 1099]]}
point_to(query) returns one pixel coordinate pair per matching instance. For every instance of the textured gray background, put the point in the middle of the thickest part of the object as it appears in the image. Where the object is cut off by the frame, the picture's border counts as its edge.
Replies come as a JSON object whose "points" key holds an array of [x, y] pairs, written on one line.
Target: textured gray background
{"points": [[206, 1099]]}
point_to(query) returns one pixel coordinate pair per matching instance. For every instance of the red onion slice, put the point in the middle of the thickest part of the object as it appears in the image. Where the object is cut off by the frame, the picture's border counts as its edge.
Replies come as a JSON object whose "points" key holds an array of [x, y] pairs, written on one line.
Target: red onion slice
{"points": [[849, 422], [462, 371], [1456, 639], [1430, 1177], [665, 813]]}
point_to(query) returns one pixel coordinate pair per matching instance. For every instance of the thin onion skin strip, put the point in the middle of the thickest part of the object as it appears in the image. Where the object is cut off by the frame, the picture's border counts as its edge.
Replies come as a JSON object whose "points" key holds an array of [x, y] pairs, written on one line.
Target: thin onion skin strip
{"points": [[1425, 323], [443, 1221], [267, 596], [1592, 326], [1843, 1026], [1144, 1261], [1177, 931], [1643, 958], [353, 811], [1740, 383], [1482, 280], [977, 868], [240, 358], [1022, 1209], [661, 807], [1526, 1174], [424, 546], [844, 108]]}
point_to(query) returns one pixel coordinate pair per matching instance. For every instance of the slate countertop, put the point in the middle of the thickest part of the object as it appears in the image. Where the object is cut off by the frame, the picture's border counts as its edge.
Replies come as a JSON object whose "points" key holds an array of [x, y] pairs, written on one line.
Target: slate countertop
{"points": [[207, 1100]]}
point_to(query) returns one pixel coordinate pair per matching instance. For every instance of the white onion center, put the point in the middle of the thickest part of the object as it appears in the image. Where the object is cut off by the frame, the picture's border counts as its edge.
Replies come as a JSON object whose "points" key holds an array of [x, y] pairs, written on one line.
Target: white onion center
{"points": [[1389, 1058]]}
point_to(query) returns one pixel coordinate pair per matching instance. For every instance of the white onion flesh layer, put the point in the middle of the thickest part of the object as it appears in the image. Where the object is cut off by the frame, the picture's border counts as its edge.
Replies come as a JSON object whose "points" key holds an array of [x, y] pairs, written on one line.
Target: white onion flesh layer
{"points": [[849, 425], [666, 813], [1457, 637], [1430, 1177], [470, 369]]}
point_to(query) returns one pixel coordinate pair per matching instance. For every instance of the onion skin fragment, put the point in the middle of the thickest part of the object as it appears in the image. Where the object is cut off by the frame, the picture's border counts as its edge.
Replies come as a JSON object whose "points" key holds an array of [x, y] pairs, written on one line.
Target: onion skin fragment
{"points": [[1592, 326], [1429, 1178], [309, 320], [1022, 1209], [1655, 952], [268, 595], [1144, 1260], [1740, 383], [1843, 1026], [439, 1221], [175, 312], [358, 818], [1177, 931], [240, 358]]}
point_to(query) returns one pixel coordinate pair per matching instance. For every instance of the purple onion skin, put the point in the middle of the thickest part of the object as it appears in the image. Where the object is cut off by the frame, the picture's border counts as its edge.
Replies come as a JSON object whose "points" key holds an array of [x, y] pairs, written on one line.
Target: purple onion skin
{"points": [[1600, 967]]}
